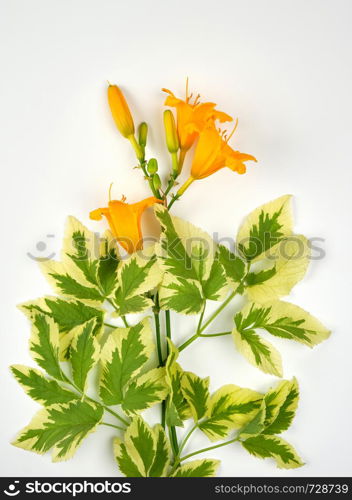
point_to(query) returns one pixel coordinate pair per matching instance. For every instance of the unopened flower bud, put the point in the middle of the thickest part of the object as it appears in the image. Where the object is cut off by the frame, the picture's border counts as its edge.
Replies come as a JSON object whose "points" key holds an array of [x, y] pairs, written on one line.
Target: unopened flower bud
{"points": [[152, 166], [142, 134], [170, 132], [120, 111]]}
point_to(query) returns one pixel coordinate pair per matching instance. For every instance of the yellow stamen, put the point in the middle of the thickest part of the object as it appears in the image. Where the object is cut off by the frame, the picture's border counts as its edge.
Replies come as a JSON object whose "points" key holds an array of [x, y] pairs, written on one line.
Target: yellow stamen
{"points": [[233, 131]]}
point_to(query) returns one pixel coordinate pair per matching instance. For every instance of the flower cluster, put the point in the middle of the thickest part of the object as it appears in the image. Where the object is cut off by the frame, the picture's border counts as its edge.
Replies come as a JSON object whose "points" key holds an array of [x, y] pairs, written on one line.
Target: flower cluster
{"points": [[197, 125]]}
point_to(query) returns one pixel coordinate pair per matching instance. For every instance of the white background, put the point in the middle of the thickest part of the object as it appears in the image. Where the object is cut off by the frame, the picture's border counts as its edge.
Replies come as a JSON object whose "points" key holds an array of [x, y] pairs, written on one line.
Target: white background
{"points": [[283, 67]]}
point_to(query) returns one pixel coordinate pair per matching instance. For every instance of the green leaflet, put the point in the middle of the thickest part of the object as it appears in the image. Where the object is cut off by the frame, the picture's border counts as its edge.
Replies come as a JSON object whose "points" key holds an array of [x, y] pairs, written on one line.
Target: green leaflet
{"points": [[216, 286], [108, 264], [84, 353], [234, 266], [196, 391], [66, 313], [181, 295], [137, 275], [145, 391], [193, 273], [257, 351], [276, 414], [198, 468], [43, 390], [277, 410], [286, 408], [60, 428], [145, 451], [289, 259], [88, 267], [256, 425], [44, 345], [292, 322], [177, 407], [230, 407], [60, 277], [162, 453], [280, 319], [124, 460], [123, 355], [274, 400], [275, 447], [265, 227]]}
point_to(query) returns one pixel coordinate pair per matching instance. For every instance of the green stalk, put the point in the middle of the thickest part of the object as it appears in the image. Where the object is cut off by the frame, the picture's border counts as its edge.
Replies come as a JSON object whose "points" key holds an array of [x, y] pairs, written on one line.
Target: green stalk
{"points": [[203, 450], [168, 329], [157, 329], [111, 425], [207, 323], [214, 334], [173, 434], [218, 311]]}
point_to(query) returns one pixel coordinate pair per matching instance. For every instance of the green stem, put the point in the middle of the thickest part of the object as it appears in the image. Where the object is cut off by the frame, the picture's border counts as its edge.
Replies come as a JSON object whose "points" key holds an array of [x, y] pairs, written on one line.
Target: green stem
{"points": [[214, 334], [218, 311], [203, 450], [173, 199], [111, 425], [184, 442], [110, 325], [201, 328], [173, 434], [170, 185], [157, 329], [125, 322], [173, 439], [168, 329]]}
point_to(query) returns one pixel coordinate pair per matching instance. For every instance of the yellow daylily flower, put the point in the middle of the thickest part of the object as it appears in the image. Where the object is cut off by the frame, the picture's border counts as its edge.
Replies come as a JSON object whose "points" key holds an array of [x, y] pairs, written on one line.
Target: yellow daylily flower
{"points": [[213, 153], [125, 221], [192, 118]]}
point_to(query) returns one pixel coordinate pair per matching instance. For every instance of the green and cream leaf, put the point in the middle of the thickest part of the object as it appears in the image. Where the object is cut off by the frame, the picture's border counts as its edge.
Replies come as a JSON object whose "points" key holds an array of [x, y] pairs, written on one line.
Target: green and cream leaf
{"points": [[265, 227], [84, 352], [61, 428], [263, 446], [286, 411], [290, 258], [44, 345], [181, 295], [145, 391], [198, 468], [257, 351], [177, 407], [230, 407], [196, 391], [40, 388], [123, 355]]}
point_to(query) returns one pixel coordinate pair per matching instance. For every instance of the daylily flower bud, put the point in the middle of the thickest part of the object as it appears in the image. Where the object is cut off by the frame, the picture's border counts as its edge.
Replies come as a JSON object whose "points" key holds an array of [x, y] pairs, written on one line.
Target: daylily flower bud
{"points": [[120, 111], [156, 181], [152, 166], [170, 132], [142, 134]]}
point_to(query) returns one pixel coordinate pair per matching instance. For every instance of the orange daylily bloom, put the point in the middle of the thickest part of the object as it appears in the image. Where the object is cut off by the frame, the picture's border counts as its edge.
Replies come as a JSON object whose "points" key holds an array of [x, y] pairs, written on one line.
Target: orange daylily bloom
{"points": [[213, 153], [192, 118], [120, 111], [125, 221]]}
